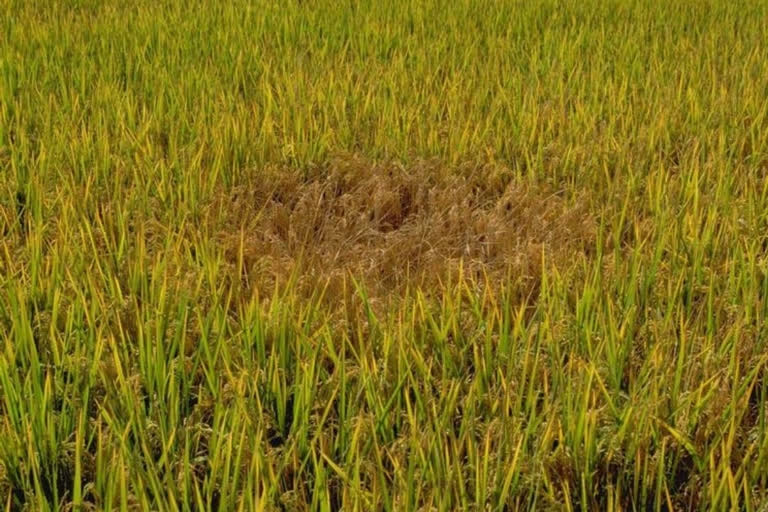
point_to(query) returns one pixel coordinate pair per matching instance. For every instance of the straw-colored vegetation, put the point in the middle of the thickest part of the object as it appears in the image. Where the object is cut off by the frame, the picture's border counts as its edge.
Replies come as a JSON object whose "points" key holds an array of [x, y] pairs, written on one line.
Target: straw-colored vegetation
{"points": [[370, 255]]}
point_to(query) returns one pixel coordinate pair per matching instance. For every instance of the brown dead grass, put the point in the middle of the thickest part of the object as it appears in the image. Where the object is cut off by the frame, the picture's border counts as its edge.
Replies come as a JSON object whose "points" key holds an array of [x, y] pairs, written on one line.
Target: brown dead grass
{"points": [[391, 226]]}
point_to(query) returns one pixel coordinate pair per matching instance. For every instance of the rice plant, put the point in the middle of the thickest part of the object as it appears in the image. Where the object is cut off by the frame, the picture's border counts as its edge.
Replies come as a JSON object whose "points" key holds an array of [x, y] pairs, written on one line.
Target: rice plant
{"points": [[358, 255]]}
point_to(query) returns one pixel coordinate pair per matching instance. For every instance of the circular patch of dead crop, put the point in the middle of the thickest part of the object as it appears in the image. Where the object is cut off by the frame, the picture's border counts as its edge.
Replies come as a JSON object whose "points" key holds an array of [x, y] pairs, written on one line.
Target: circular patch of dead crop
{"points": [[391, 226]]}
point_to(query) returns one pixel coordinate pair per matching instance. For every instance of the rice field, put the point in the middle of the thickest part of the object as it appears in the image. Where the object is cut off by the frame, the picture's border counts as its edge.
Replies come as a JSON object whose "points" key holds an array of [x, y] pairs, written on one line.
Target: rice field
{"points": [[360, 255]]}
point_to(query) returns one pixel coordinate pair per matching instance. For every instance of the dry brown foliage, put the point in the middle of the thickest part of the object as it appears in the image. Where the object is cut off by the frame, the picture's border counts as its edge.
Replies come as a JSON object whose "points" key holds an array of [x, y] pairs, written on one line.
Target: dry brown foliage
{"points": [[392, 226]]}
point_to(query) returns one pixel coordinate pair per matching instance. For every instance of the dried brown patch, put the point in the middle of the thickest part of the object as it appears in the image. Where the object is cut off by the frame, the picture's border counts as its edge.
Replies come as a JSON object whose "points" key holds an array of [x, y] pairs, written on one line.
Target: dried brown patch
{"points": [[391, 226]]}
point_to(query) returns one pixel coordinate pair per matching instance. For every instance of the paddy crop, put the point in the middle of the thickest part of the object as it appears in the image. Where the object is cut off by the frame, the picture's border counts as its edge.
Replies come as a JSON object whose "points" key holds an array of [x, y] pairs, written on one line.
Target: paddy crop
{"points": [[368, 255]]}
